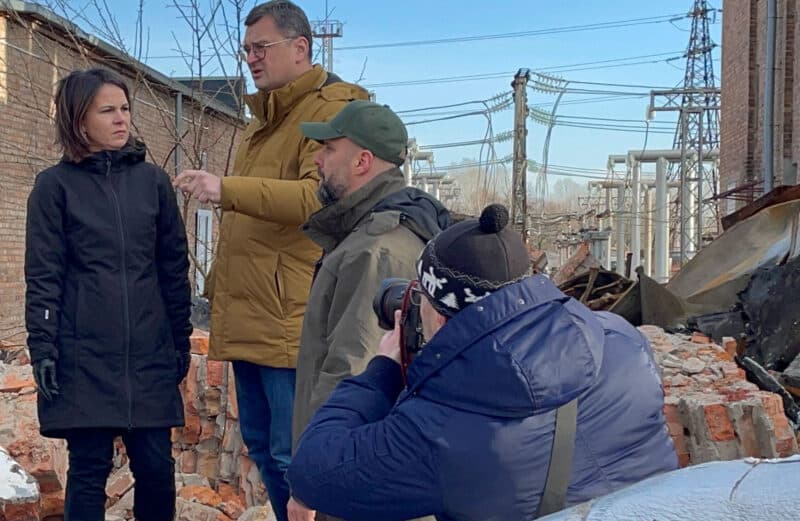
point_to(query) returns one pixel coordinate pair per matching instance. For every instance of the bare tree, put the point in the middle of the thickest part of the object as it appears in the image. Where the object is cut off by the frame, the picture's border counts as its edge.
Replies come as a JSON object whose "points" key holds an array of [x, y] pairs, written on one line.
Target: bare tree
{"points": [[36, 49]]}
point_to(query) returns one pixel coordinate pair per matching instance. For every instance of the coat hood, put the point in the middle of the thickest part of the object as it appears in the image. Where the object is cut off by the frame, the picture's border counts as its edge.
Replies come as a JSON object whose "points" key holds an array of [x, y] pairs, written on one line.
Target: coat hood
{"points": [[98, 162], [421, 213], [524, 350]]}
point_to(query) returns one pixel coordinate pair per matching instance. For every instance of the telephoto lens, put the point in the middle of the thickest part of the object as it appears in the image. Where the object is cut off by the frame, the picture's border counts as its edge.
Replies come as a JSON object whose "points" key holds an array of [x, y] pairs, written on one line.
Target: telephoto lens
{"points": [[389, 299]]}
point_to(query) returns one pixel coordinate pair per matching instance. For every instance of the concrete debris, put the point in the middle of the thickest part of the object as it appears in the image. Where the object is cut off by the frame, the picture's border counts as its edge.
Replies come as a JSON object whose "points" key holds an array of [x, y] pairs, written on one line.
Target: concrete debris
{"points": [[712, 411], [192, 511], [19, 493], [258, 514], [44, 458]]}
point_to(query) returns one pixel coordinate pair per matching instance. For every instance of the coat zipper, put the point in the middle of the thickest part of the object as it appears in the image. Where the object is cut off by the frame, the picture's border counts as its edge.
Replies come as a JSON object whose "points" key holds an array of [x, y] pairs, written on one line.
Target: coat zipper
{"points": [[125, 310]]}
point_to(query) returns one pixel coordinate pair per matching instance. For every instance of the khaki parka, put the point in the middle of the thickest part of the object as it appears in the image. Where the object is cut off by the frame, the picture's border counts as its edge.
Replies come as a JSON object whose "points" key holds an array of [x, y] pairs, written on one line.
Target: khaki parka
{"points": [[377, 232], [261, 275]]}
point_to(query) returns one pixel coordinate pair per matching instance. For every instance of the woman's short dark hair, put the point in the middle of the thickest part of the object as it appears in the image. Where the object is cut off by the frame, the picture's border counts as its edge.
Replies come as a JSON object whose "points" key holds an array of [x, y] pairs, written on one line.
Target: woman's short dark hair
{"points": [[74, 95]]}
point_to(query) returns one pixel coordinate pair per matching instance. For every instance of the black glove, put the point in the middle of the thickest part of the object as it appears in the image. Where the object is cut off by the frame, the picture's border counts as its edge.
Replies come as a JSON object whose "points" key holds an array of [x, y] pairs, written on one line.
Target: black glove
{"points": [[44, 372], [183, 360]]}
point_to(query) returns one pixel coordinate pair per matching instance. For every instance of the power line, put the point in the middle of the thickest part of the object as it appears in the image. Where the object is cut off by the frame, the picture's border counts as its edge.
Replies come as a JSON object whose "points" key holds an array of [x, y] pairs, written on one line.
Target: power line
{"points": [[612, 60], [540, 32], [583, 101], [498, 100], [612, 128], [453, 105], [559, 170], [455, 145], [446, 118], [445, 79], [629, 85], [669, 124], [585, 66]]}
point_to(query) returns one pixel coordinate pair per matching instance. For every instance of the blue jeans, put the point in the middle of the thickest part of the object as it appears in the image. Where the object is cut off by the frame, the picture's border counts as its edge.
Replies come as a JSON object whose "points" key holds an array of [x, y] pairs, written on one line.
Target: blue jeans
{"points": [[265, 396]]}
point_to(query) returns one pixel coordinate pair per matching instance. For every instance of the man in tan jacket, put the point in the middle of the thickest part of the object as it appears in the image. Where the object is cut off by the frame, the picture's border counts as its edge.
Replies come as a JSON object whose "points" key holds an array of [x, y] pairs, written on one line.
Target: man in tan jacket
{"points": [[261, 275]]}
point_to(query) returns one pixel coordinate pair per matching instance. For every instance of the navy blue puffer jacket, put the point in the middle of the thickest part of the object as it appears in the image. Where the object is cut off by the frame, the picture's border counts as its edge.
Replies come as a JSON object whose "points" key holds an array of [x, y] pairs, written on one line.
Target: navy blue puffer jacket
{"points": [[470, 437]]}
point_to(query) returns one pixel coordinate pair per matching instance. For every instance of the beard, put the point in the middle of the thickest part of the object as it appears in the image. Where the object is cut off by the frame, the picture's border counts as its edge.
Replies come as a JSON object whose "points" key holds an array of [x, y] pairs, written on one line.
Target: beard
{"points": [[328, 191]]}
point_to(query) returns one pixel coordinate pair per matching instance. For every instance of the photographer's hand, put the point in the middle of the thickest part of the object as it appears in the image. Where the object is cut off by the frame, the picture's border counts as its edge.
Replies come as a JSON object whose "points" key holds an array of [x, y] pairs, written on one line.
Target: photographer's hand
{"points": [[390, 343], [298, 511]]}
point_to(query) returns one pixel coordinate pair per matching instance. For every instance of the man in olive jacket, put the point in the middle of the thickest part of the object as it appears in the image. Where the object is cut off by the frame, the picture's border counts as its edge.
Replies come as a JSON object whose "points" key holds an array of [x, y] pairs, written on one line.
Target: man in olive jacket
{"points": [[261, 275], [371, 227]]}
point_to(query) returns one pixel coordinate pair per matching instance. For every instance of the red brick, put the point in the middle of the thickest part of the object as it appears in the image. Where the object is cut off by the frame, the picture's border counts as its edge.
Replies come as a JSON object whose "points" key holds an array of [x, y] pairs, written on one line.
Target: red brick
{"points": [[215, 371], [188, 462], [207, 429], [227, 492], [120, 483], [199, 342], [199, 494], [719, 425], [12, 383], [786, 447], [233, 509], [52, 504], [20, 512], [191, 431]]}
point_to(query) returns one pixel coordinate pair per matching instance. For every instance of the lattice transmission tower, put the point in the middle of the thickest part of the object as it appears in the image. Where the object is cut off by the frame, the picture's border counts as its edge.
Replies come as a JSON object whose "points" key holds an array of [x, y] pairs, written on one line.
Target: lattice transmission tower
{"points": [[697, 103]]}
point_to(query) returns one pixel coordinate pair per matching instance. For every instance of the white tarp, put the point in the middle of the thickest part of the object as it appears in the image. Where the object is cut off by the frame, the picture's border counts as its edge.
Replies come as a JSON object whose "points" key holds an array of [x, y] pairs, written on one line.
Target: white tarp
{"points": [[16, 485], [747, 490]]}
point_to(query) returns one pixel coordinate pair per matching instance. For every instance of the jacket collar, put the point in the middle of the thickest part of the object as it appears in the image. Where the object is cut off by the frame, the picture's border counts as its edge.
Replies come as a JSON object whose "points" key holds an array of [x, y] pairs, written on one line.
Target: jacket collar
{"points": [[103, 161], [274, 105], [331, 224]]}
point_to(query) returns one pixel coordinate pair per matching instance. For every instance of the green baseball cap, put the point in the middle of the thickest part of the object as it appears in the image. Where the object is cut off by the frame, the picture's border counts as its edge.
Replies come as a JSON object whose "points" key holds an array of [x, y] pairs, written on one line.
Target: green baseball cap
{"points": [[368, 125]]}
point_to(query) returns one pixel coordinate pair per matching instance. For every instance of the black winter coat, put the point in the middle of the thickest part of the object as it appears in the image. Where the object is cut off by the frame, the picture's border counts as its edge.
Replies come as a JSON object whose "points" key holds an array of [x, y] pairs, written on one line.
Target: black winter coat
{"points": [[107, 294]]}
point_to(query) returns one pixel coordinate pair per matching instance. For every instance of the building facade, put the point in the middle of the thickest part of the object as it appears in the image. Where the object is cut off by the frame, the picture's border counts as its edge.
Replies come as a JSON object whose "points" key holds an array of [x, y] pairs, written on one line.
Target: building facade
{"points": [[744, 55]]}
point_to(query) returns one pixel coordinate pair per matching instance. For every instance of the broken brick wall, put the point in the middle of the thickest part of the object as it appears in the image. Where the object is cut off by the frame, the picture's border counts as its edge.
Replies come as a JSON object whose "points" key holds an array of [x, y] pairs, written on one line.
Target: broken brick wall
{"points": [[210, 444], [712, 411], [208, 451]]}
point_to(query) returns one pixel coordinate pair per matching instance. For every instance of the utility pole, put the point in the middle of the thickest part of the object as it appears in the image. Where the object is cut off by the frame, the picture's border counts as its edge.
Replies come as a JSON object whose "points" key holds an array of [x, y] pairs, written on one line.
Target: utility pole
{"points": [[519, 203], [326, 30]]}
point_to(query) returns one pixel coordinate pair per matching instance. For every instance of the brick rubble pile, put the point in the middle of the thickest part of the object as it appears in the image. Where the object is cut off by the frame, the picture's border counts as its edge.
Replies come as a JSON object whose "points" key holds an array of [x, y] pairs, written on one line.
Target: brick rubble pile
{"points": [[712, 411], [215, 478]]}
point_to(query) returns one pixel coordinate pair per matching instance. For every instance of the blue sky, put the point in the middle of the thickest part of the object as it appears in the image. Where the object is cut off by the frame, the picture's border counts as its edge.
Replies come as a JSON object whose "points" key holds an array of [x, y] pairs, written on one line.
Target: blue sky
{"points": [[368, 23]]}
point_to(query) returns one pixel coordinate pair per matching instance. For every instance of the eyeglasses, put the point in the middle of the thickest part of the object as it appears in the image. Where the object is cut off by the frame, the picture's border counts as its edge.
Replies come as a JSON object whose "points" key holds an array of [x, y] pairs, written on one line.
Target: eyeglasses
{"points": [[259, 49]]}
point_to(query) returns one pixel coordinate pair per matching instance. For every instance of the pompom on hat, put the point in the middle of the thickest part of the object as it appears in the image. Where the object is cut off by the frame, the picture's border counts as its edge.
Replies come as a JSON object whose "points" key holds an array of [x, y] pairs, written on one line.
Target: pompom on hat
{"points": [[470, 260]]}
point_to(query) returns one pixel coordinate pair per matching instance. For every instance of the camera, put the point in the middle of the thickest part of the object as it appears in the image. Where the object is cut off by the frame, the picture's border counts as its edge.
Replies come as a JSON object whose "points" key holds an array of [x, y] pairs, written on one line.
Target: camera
{"points": [[401, 294], [389, 299]]}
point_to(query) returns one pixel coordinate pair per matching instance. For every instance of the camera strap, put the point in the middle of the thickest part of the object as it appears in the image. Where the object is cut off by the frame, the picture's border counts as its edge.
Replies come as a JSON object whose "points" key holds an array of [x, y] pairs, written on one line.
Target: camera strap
{"points": [[560, 468]]}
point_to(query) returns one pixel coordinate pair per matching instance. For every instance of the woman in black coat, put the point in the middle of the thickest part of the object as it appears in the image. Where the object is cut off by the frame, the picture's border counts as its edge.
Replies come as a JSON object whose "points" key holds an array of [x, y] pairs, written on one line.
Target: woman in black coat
{"points": [[108, 300]]}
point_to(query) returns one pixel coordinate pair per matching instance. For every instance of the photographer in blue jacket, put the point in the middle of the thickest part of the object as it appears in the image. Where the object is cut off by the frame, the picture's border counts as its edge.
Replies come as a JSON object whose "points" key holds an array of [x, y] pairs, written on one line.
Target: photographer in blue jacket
{"points": [[521, 401]]}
